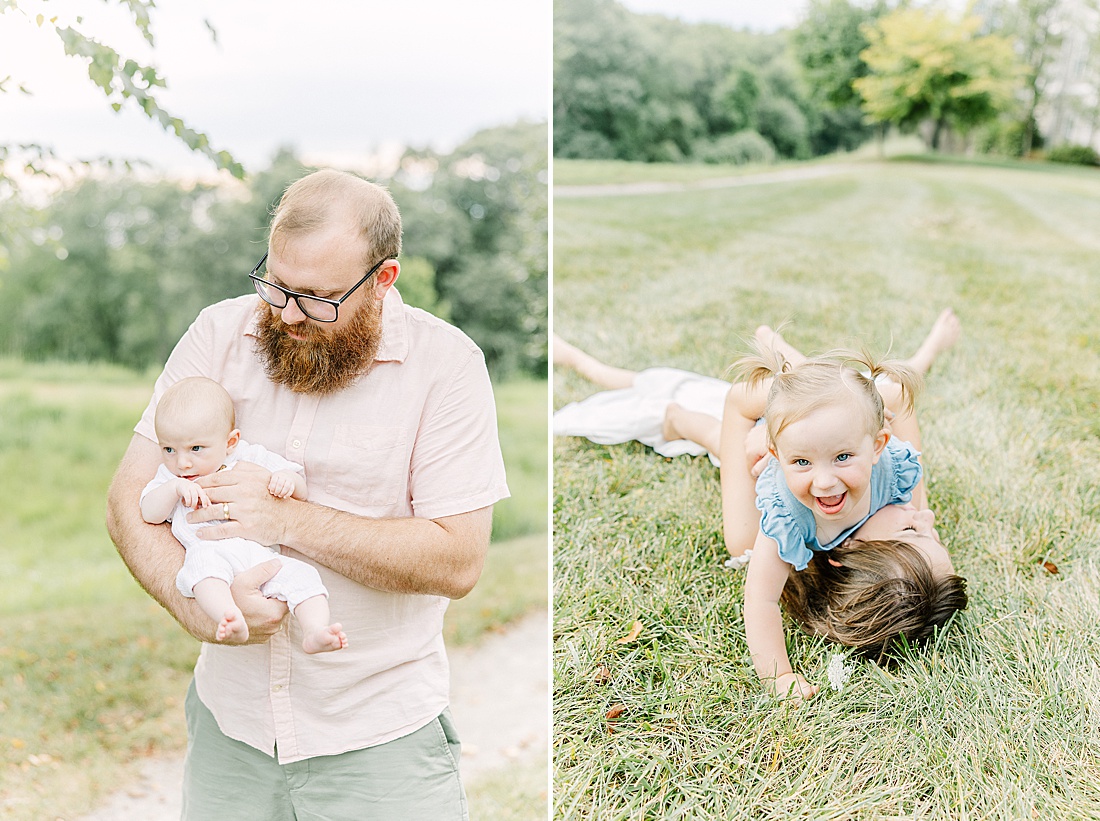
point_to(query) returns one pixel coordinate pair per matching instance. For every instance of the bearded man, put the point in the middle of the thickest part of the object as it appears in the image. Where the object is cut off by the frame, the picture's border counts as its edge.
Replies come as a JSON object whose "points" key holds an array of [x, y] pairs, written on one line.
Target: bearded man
{"points": [[391, 413]]}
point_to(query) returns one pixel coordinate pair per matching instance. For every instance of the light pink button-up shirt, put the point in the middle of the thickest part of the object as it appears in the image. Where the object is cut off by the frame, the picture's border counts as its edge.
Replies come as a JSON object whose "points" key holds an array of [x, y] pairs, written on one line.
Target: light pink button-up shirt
{"points": [[417, 436]]}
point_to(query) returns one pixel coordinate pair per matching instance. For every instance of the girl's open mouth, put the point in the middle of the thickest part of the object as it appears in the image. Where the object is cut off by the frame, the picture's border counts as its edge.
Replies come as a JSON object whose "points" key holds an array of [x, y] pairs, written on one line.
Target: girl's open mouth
{"points": [[830, 504]]}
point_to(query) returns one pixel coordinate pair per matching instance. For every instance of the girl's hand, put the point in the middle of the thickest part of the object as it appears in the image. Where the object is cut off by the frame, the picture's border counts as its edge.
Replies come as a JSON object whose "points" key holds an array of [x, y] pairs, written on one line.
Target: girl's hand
{"points": [[792, 687], [281, 486], [756, 450], [192, 495]]}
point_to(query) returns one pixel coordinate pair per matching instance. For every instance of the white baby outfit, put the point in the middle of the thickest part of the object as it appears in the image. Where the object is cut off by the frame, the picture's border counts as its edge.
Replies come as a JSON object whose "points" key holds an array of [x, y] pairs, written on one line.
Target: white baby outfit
{"points": [[223, 559]]}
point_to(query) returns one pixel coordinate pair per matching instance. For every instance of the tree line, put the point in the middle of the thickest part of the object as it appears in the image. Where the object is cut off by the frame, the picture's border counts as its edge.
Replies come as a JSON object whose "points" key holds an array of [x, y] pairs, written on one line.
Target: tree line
{"points": [[648, 88], [116, 267]]}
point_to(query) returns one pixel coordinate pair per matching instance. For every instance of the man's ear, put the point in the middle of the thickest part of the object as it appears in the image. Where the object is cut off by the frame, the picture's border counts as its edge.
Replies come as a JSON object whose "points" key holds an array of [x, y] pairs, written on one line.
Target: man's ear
{"points": [[385, 277], [233, 441]]}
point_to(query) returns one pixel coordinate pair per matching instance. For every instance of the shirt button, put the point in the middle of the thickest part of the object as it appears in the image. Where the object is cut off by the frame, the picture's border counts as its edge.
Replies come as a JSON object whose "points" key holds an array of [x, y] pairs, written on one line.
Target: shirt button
{"points": [[297, 443], [277, 688]]}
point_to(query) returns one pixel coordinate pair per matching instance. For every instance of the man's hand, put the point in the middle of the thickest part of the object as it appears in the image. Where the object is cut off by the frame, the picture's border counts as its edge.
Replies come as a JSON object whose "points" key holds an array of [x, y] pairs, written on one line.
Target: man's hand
{"points": [[792, 687], [253, 511], [191, 494], [263, 616]]}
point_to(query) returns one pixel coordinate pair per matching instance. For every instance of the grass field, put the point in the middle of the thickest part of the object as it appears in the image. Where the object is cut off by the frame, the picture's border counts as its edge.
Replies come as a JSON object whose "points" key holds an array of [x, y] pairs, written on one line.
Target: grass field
{"points": [[998, 720], [92, 672]]}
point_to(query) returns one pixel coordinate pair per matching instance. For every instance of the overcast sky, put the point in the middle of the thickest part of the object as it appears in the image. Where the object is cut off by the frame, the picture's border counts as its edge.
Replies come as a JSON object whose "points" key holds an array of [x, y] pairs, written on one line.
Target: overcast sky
{"points": [[334, 78], [340, 80], [758, 15]]}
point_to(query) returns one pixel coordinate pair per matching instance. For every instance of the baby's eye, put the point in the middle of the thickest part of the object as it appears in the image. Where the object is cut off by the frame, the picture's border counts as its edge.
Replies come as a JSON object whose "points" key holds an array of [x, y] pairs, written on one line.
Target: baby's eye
{"points": [[802, 463], [169, 450], [196, 448], [844, 457]]}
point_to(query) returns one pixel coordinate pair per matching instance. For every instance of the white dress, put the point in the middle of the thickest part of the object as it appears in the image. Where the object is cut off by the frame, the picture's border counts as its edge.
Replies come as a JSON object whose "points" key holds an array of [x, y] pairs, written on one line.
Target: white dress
{"points": [[637, 413]]}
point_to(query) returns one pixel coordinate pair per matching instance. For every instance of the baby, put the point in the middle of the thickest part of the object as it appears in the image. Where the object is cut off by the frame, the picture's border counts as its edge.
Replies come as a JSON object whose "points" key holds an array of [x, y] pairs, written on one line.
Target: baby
{"points": [[195, 426]]}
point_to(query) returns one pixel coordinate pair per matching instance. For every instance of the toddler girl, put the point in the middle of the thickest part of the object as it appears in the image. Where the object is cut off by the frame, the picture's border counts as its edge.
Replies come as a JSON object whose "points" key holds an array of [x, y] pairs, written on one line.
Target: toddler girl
{"points": [[834, 464]]}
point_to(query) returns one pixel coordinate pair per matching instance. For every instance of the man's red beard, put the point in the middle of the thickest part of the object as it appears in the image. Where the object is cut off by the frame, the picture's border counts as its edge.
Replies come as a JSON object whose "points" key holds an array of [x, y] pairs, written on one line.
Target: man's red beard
{"points": [[319, 363]]}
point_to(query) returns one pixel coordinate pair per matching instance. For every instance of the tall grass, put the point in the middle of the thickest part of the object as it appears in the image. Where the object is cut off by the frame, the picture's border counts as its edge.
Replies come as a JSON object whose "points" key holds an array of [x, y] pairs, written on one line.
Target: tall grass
{"points": [[999, 719], [92, 672]]}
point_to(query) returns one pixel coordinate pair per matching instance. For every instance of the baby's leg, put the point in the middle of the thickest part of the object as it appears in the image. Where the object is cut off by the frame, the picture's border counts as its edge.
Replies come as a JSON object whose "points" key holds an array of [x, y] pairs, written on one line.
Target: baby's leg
{"points": [[945, 333], [606, 376], [701, 428], [216, 600], [320, 636]]}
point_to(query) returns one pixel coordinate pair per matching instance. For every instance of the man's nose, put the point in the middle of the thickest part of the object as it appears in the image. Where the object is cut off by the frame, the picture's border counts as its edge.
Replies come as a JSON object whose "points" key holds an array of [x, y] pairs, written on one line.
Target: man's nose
{"points": [[292, 314]]}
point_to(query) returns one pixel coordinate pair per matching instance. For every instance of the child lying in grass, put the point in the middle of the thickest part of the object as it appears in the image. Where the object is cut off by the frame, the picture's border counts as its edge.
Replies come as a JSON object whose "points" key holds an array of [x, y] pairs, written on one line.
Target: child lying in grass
{"points": [[865, 579], [834, 465]]}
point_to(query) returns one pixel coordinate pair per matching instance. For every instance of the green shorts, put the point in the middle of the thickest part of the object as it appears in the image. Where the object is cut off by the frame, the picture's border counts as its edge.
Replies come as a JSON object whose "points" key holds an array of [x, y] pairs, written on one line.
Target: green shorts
{"points": [[412, 777]]}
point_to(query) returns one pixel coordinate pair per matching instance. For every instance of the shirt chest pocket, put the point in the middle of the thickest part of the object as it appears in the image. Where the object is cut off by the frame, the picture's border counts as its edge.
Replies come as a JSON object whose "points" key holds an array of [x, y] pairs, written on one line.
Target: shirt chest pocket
{"points": [[367, 465]]}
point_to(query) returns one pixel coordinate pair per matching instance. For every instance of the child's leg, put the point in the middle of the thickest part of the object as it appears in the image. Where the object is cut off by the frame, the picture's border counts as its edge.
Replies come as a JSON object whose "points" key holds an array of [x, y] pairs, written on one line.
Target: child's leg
{"points": [[320, 636], [701, 428], [945, 333], [216, 600], [772, 340], [606, 376]]}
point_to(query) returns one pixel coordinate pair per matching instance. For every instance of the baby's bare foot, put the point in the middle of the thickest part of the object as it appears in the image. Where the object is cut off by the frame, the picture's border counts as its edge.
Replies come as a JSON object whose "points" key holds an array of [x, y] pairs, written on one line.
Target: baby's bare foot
{"points": [[944, 334], [766, 336], [326, 639], [232, 628]]}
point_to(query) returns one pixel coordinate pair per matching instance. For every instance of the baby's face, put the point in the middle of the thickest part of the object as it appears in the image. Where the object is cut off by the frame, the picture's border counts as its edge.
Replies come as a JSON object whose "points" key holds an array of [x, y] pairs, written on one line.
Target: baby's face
{"points": [[190, 452]]}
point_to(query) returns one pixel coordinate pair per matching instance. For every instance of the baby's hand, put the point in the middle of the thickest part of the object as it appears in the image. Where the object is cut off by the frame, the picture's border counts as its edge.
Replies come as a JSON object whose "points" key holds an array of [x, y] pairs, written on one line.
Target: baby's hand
{"points": [[792, 687], [280, 486], [192, 495]]}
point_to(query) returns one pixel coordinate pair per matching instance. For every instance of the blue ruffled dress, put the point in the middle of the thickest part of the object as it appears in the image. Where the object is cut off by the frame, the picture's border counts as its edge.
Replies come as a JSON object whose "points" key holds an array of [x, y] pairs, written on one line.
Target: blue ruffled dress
{"points": [[791, 523]]}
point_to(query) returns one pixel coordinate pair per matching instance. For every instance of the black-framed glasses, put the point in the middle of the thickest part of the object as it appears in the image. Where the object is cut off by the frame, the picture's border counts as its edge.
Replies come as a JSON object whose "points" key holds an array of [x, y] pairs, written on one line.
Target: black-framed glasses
{"points": [[317, 308]]}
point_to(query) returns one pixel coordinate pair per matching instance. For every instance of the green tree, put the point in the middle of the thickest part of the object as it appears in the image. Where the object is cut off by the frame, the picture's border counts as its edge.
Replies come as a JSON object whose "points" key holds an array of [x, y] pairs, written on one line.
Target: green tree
{"points": [[827, 45], [925, 66]]}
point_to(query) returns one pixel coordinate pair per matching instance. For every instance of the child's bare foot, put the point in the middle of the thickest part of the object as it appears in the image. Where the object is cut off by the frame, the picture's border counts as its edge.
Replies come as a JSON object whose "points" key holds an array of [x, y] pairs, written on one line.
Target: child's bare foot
{"points": [[944, 334], [232, 628], [668, 426], [325, 639]]}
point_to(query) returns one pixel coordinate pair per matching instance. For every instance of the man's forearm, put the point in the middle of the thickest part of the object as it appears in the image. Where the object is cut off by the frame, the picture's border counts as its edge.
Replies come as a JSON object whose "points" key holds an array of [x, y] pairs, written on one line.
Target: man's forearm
{"points": [[442, 557], [152, 554]]}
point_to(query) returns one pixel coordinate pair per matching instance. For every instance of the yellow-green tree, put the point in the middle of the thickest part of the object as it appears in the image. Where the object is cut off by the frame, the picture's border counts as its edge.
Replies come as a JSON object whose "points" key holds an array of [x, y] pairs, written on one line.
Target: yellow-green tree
{"points": [[926, 66]]}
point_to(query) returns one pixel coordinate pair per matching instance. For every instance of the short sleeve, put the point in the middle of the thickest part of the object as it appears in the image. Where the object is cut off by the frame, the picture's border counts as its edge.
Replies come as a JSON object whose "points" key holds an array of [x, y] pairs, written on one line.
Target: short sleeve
{"points": [[906, 471], [456, 464], [778, 520], [259, 455], [190, 357], [162, 475]]}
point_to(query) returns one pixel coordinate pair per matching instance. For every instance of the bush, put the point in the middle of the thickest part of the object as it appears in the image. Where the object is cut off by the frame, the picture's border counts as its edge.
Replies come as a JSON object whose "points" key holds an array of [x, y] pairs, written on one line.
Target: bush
{"points": [[1007, 138], [585, 145], [1075, 154], [782, 122], [736, 149]]}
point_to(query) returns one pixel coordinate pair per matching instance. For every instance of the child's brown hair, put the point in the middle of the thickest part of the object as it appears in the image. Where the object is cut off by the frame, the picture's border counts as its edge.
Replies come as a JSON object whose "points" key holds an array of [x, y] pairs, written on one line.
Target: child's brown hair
{"points": [[882, 591]]}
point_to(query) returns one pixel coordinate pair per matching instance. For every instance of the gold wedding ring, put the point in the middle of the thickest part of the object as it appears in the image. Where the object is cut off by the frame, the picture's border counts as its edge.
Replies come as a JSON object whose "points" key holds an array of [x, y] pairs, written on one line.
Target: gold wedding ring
{"points": [[225, 510]]}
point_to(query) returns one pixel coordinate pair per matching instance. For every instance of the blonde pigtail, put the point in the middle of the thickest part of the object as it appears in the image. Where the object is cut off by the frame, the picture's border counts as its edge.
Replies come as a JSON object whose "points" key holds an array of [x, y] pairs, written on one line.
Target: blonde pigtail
{"points": [[762, 365]]}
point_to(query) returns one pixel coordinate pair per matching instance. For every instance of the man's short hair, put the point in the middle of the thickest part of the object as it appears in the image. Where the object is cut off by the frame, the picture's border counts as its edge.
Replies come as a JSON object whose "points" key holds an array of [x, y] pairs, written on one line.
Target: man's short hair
{"points": [[326, 196]]}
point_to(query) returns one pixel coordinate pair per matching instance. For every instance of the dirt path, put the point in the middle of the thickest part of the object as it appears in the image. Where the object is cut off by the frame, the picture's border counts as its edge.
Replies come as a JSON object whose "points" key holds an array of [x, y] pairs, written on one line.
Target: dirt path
{"points": [[636, 188], [500, 698]]}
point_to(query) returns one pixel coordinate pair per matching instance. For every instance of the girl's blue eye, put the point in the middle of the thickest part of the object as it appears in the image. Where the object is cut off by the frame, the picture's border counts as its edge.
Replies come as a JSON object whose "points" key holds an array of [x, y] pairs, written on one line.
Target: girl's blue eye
{"points": [[844, 457], [802, 462]]}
